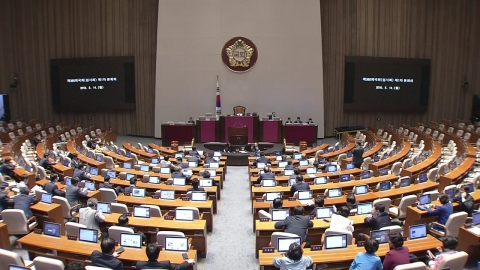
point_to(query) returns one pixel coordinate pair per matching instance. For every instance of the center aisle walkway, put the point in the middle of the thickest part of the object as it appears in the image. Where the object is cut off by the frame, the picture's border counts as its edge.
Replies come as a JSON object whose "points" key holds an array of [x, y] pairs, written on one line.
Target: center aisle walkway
{"points": [[232, 243]]}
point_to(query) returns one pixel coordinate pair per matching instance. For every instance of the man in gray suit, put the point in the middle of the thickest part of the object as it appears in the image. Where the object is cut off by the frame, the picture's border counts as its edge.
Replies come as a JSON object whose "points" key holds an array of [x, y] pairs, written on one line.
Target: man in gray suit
{"points": [[73, 193], [267, 174], [210, 159], [90, 216], [52, 188], [23, 201]]}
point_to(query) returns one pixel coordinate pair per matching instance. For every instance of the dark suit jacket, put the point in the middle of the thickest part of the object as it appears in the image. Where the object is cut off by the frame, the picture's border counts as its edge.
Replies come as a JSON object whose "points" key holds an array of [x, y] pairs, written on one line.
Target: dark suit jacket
{"points": [[177, 175], [210, 160], [466, 205], [379, 221], [23, 202], [105, 260], [289, 167], [263, 160], [53, 189], [442, 212], [73, 194], [299, 187], [295, 224], [118, 189], [357, 155], [268, 175], [7, 169], [5, 202], [80, 174], [162, 265], [197, 189], [45, 163]]}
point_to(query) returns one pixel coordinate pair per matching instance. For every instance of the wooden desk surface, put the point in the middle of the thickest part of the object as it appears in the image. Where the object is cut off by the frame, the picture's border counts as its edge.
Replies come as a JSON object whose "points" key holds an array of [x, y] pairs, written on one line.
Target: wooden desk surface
{"points": [[85, 159], [151, 173], [407, 146], [312, 151], [171, 204], [425, 164], [466, 239], [140, 153], [160, 223], [317, 223], [116, 156], [354, 171]]}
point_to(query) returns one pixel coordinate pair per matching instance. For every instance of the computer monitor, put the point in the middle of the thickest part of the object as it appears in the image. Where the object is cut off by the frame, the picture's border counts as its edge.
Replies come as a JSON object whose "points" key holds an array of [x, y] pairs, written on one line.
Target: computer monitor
{"points": [[213, 173], [311, 170], [376, 158], [424, 199], [349, 154], [382, 236], [199, 196], [144, 168], [268, 183], [277, 153], [217, 154], [335, 241], [350, 166], [51, 229], [385, 185], [165, 170], [422, 178], [332, 168], [450, 193], [362, 189], [476, 218], [105, 207], [344, 177], [94, 171], [99, 158], [205, 182], [141, 211], [200, 152], [127, 165], [282, 164], [297, 156], [285, 242], [46, 198], [178, 155], [138, 192], [89, 155], [130, 176], [405, 182], [288, 172], [68, 180], [324, 212], [366, 174], [112, 174], [337, 147], [87, 235], [305, 195], [65, 163], [128, 154], [418, 231], [150, 150], [364, 208], [292, 181], [131, 240], [90, 186], [16, 267], [184, 214], [179, 181], [280, 214], [278, 158], [320, 180], [153, 180], [192, 164], [334, 192], [383, 171], [167, 194], [270, 196], [303, 162], [325, 151], [176, 243], [260, 165], [154, 161], [214, 165]]}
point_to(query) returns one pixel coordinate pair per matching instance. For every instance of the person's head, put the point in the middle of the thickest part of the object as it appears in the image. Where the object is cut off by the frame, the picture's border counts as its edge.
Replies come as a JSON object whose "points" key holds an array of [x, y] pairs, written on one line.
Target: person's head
{"points": [[379, 208], [133, 180], [165, 158], [123, 220], [351, 199], [195, 182], [396, 240], [289, 162], [194, 148], [24, 190], [74, 181], [289, 118], [74, 156], [371, 245], [273, 113], [24, 178], [309, 119], [4, 190], [266, 169], [37, 135], [153, 251], [190, 118], [9, 161], [359, 143], [206, 174], [298, 210], [319, 201], [45, 155], [107, 245], [298, 118], [106, 179], [92, 203], [449, 242], [296, 171], [295, 252], [299, 179], [344, 211], [443, 199], [277, 203], [75, 266], [466, 188], [54, 178]]}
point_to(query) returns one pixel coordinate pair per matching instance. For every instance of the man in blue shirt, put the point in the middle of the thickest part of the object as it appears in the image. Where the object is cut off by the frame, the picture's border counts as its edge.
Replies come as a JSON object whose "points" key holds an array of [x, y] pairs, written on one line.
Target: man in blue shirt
{"points": [[442, 212]]}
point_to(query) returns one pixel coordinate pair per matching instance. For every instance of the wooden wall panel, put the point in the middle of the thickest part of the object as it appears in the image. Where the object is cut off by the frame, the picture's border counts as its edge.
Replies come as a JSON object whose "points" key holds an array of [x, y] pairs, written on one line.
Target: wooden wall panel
{"points": [[447, 32], [34, 31]]}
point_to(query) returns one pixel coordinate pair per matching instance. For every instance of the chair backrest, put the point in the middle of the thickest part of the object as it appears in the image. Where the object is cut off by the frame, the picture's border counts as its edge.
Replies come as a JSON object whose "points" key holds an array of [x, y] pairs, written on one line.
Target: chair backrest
{"points": [[196, 213], [15, 220], [454, 261], [276, 235], [8, 257], [393, 229], [460, 133], [162, 234], [411, 266], [154, 210], [64, 204], [454, 222], [134, 158], [44, 263], [397, 168], [385, 201], [115, 231], [331, 231], [119, 208], [466, 137], [433, 195], [366, 163], [91, 267], [72, 228], [107, 194], [432, 174], [109, 164], [340, 157], [404, 203], [11, 135], [239, 110], [406, 162], [264, 214]]}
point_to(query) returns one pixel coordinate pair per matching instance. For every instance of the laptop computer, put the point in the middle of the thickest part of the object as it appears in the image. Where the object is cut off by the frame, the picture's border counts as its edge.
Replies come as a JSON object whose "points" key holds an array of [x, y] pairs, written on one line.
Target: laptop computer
{"points": [[127, 165], [305, 196], [280, 214], [184, 214], [422, 178], [65, 163], [150, 150], [46, 198], [154, 161], [382, 236], [270, 196], [282, 164], [376, 158], [51, 229], [311, 171], [349, 154], [129, 176], [178, 155], [417, 231], [16, 267], [205, 182], [94, 171], [383, 171], [364, 208], [476, 218], [365, 174], [131, 240], [112, 174], [332, 168], [450, 193], [324, 212], [68, 180], [350, 166], [268, 183], [176, 243], [303, 162], [179, 181], [128, 154], [320, 180], [335, 192], [362, 189], [141, 211], [260, 165], [335, 241], [288, 172], [153, 180], [165, 170], [344, 177], [217, 154], [90, 185], [405, 182], [99, 158], [283, 243], [424, 199], [138, 192], [385, 185], [297, 156], [87, 235], [167, 194], [105, 207], [278, 158], [199, 196], [144, 168]]}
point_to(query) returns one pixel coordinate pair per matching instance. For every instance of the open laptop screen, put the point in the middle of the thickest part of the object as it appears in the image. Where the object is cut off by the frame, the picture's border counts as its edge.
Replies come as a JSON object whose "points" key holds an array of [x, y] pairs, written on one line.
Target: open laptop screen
{"points": [[366, 175], [364, 208], [280, 214], [311, 170], [418, 231], [405, 182], [383, 171], [270, 196], [112, 174], [133, 240], [144, 168], [350, 166], [127, 165], [138, 192], [184, 214], [422, 178], [324, 212], [175, 243], [167, 194], [386, 185], [51, 229], [153, 180], [282, 164], [305, 195], [345, 177], [268, 183], [205, 182], [476, 218], [424, 199], [335, 241], [90, 186], [303, 163], [165, 170], [382, 236], [363, 189], [68, 181], [87, 235], [105, 207], [47, 198], [320, 180], [129, 176], [285, 242], [140, 211]]}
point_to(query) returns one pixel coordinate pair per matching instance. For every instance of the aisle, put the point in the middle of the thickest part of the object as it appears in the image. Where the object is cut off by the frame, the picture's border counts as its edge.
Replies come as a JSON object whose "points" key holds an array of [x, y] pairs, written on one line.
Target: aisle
{"points": [[231, 245]]}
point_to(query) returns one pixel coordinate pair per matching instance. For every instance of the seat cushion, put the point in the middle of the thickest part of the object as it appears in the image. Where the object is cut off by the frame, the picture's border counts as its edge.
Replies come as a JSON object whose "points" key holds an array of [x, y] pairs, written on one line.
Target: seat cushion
{"points": [[393, 211]]}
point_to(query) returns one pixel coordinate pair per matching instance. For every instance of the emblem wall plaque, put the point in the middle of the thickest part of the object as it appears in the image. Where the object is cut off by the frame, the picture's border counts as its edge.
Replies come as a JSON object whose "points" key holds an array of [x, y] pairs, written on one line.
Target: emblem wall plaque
{"points": [[239, 54]]}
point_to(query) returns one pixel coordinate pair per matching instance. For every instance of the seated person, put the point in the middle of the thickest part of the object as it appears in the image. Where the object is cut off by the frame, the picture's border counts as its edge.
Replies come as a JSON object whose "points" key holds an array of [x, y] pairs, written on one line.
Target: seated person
{"points": [[123, 222], [22, 181], [277, 203], [74, 193], [177, 172], [298, 121], [106, 184], [195, 184], [165, 163], [289, 121], [367, 260], [37, 139], [267, 174], [45, 163], [442, 212], [23, 201], [75, 266], [108, 257], [80, 173], [254, 147], [210, 159], [194, 152], [320, 202], [341, 221], [190, 120], [310, 121], [351, 202], [449, 243], [5, 201], [153, 253], [296, 173], [297, 224], [299, 185], [133, 184], [379, 217], [465, 200], [289, 166], [294, 259], [206, 175], [75, 162], [7, 168], [271, 116], [398, 254], [90, 216], [262, 159], [92, 143], [51, 187]]}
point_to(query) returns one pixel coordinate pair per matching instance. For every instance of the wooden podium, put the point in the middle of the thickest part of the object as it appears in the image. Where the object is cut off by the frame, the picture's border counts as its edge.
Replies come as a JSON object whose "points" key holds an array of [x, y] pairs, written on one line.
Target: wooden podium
{"points": [[238, 135]]}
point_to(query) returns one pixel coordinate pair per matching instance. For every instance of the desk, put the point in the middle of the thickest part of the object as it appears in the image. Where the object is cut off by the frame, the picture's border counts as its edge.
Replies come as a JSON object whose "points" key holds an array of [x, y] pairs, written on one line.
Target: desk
{"points": [[181, 133], [85, 159], [466, 240], [270, 131], [38, 244], [429, 162], [251, 122], [296, 133], [162, 150], [140, 153], [4, 240], [48, 212], [208, 130], [116, 157], [311, 152], [453, 176]]}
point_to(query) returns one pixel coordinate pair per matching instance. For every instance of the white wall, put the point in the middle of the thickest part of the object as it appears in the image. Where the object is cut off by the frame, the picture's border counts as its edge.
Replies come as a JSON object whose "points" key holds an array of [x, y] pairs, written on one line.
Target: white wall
{"points": [[288, 75]]}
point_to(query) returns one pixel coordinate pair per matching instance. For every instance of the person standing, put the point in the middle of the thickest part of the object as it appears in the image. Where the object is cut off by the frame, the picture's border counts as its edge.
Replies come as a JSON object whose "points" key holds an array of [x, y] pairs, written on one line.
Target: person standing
{"points": [[358, 155]]}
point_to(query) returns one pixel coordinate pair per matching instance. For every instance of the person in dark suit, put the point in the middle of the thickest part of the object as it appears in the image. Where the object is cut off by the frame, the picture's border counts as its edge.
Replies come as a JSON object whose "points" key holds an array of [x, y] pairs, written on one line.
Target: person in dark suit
{"points": [[210, 159], [52, 188], [177, 173], [297, 224], [267, 174], [271, 116], [379, 218], [299, 185], [153, 252], [190, 120], [45, 163], [298, 121], [357, 155], [80, 173], [75, 162], [37, 139], [23, 201], [319, 202], [7, 168], [5, 201], [194, 152], [123, 222], [289, 121], [289, 166], [195, 184], [108, 257], [133, 184], [106, 184], [296, 172], [351, 202], [262, 159], [206, 175], [73, 193], [465, 199], [442, 212], [310, 121]]}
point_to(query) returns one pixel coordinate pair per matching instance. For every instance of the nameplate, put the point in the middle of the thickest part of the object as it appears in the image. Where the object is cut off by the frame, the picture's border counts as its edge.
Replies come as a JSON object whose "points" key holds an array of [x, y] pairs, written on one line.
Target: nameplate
{"points": [[375, 190], [268, 250], [414, 204], [311, 217], [155, 196], [404, 238], [256, 185], [185, 198], [38, 231], [310, 183], [264, 219], [259, 199], [284, 184], [168, 217], [116, 243], [360, 243], [468, 225], [352, 214], [316, 247], [168, 183], [72, 237], [336, 180], [127, 194], [416, 181], [127, 214], [292, 198]]}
